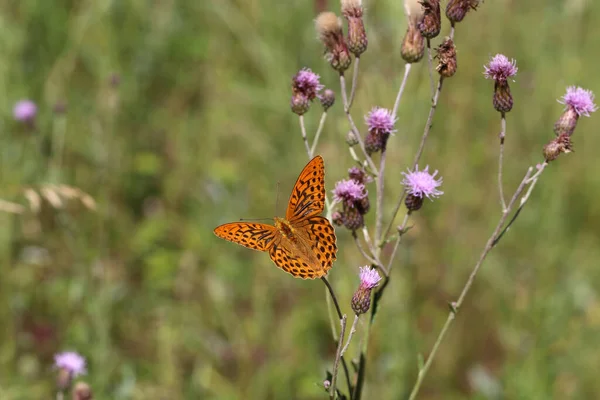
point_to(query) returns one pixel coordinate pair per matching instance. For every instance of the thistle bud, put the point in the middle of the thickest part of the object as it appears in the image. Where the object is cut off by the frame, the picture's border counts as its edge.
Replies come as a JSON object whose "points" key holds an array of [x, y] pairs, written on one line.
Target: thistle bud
{"points": [[82, 391], [299, 104], [351, 139], [500, 69], [561, 144], [329, 29], [577, 102], [457, 9], [357, 41], [337, 218], [327, 99], [413, 44], [352, 218], [361, 300], [359, 175], [381, 124], [446, 54], [431, 23]]}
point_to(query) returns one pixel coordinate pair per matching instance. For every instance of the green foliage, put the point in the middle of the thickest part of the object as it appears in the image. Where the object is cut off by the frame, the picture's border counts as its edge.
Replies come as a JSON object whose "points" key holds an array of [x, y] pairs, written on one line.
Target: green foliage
{"points": [[177, 119]]}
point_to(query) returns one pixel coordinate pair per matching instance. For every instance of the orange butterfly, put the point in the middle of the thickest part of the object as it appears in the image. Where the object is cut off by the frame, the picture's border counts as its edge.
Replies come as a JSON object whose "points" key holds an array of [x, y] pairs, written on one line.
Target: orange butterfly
{"points": [[302, 243]]}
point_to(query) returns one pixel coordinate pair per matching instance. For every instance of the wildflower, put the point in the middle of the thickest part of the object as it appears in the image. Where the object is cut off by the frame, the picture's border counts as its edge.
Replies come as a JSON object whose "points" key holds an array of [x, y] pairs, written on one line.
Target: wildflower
{"points": [[349, 191], [361, 300], [381, 124], [71, 362], [307, 83], [25, 111], [327, 99], [70, 365], [357, 41], [351, 139], [329, 29], [577, 102], [431, 23], [500, 69], [420, 184], [457, 9], [355, 204], [446, 54]]}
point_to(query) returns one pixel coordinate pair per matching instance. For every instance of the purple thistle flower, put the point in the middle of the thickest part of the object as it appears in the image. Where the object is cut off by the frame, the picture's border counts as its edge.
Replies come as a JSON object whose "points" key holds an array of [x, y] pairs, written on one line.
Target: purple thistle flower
{"points": [[369, 277], [71, 362], [349, 191], [307, 83], [500, 68], [25, 110], [381, 120], [581, 100], [422, 183]]}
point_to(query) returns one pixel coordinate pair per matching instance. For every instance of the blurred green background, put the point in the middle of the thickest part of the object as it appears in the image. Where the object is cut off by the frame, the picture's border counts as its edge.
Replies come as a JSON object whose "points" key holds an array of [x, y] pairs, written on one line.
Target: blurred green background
{"points": [[174, 117]]}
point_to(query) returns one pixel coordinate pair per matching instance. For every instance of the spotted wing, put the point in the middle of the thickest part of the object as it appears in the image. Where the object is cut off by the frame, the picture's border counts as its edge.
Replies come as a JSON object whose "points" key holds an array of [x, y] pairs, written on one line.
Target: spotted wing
{"points": [[311, 254], [251, 235], [319, 235], [308, 196]]}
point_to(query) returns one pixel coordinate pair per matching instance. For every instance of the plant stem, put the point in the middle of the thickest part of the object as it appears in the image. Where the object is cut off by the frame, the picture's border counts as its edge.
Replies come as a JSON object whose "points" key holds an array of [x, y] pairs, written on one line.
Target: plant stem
{"points": [[407, 68], [304, 138], [338, 356], [354, 82], [491, 242], [500, 161]]}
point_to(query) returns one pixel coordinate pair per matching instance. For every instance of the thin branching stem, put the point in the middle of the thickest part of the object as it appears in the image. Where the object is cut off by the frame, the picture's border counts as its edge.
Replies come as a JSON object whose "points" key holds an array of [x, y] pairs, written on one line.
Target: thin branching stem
{"points": [[430, 67], [429, 123], [338, 357], [354, 83], [407, 68], [370, 259], [353, 127], [401, 231], [304, 138], [379, 208], [491, 242], [340, 339], [352, 332], [500, 162], [318, 134]]}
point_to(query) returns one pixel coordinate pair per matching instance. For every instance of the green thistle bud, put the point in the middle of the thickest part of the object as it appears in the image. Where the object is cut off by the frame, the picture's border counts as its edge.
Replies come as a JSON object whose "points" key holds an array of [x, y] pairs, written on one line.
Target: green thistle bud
{"points": [[327, 99], [357, 41]]}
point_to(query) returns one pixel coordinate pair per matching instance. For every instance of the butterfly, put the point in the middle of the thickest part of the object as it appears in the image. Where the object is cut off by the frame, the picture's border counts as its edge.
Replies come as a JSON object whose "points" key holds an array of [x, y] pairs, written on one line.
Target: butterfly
{"points": [[302, 243]]}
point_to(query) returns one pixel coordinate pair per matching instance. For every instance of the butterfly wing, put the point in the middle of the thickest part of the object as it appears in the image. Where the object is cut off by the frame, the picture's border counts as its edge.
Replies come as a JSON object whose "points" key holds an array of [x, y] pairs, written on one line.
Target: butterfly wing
{"points": [[319, 236], [293, 262], [308, 196], [251, 235]]}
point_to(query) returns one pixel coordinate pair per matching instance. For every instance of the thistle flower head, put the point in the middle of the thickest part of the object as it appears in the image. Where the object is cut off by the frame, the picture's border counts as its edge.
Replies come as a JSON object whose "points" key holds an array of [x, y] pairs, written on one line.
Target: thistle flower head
{"points": [[349, 191], [581, 100], [381, 120], [422, 183], [307, 83], [369, 277], [25, 110], [500, 68], [70, 361], [361, 300]]}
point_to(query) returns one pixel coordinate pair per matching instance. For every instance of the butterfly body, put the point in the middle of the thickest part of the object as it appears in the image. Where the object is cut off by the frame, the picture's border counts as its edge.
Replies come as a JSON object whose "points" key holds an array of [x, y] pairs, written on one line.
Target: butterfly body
{"points": [[302, 243]]}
